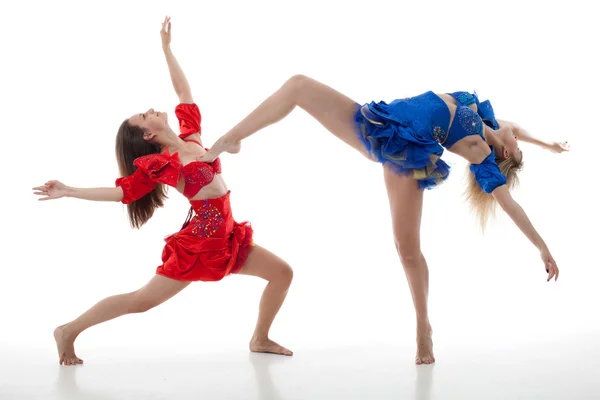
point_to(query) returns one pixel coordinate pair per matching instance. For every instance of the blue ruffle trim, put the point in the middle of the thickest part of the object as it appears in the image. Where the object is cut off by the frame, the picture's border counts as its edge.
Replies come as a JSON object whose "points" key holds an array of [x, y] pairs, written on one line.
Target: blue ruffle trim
{"points": [[403, 150]]}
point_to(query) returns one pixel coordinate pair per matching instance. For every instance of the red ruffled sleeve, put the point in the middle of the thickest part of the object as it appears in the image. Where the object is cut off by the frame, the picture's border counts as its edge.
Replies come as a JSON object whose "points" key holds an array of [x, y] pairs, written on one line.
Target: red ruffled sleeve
{"points": [[135, 186], [151, 169], [189, 119], [161, 168]]}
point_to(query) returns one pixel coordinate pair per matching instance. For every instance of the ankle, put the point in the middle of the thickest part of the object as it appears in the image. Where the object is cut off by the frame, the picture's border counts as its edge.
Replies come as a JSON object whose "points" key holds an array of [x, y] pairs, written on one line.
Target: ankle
{"points": [[260, 337], [423, 325], [67, 332]]}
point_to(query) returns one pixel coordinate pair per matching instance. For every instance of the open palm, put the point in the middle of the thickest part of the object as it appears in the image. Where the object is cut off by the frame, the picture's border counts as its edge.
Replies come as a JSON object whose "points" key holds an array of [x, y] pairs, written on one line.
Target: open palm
{"points": [[165, 32], [51, 190]]}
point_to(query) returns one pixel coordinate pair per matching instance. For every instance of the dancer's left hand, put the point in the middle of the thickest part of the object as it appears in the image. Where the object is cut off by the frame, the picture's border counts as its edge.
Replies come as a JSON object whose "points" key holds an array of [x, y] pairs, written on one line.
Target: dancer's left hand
{"points": [[550, 264]]}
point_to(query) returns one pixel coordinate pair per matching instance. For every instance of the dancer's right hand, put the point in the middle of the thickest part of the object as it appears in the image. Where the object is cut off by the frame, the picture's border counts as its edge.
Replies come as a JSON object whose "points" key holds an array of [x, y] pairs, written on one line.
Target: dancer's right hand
{"points": [[52, 190], [165, 33]]}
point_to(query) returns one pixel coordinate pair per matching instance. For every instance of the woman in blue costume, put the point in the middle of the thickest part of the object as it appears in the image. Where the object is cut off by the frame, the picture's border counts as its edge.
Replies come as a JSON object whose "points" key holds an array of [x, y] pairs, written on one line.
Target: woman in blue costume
{"points": [[408, 136]]}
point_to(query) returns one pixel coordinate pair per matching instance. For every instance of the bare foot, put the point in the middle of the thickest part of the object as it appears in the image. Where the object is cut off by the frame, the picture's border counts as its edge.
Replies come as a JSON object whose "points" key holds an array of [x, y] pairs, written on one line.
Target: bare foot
{"points": [[268, 346], [66, 348], [424, 346]]}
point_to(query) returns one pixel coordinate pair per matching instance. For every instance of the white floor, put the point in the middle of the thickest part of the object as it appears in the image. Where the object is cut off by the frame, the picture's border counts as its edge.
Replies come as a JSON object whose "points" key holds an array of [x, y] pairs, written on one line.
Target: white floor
{"points": [[567, 371]]}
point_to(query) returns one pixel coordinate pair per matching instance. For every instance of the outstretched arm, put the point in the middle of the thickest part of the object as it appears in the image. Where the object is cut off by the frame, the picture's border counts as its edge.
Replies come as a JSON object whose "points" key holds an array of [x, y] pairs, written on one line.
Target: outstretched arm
{"points": [[519, 217], [180, 83], [524, 136], [55, 190]]}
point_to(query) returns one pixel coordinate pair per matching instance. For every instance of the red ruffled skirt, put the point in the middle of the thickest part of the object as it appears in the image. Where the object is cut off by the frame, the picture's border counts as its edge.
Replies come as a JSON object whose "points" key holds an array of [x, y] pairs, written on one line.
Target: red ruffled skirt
{"points": [[209, 246]]}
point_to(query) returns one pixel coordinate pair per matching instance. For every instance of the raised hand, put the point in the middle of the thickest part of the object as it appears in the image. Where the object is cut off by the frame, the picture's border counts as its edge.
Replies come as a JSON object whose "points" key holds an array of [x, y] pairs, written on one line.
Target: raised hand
{"points": [[51, 190], [165, 32]]}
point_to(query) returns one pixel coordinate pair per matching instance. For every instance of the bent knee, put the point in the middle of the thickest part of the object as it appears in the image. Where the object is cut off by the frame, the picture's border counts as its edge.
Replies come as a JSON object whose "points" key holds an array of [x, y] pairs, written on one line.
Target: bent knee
{"points": [[409, 254], [297, 83], [285, 273]]}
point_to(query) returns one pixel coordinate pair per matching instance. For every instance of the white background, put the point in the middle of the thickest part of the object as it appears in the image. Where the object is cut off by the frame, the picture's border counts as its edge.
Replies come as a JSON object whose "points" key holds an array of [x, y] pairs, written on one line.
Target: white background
{"points": [[72, 71]]}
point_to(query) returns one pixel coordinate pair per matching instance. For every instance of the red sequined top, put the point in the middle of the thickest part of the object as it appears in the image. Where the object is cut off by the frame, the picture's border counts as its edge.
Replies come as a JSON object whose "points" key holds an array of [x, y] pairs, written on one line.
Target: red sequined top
{"points": [[166, 168]]}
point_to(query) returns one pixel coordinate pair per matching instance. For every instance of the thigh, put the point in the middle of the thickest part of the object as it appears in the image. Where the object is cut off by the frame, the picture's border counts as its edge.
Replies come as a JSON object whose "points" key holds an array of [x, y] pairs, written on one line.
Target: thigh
{"points": [[331, 108], [159, 290], [406, 206], [264, 264]]}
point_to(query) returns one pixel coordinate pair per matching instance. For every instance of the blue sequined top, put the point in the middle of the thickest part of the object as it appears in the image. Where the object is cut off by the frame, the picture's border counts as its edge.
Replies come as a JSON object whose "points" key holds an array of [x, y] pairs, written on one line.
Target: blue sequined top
{"points": [[466, 120]]}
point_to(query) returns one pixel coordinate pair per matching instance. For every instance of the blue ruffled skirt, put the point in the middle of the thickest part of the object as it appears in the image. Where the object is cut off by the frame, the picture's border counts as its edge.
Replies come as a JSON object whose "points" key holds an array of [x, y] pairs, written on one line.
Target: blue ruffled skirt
{"points": [[406, 145]]}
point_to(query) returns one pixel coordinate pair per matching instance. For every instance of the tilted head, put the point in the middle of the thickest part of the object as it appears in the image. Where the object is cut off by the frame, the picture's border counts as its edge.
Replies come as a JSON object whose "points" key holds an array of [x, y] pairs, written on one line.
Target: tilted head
{"points": [[138, 136], [153, 123], [508, 146]]}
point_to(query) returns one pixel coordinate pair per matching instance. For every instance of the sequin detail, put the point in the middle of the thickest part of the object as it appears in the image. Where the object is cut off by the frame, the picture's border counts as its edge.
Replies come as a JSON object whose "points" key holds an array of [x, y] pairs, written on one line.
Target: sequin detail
{"points": [[207, 220], [466, 98], [161, 168], [197, 175], [202, 175], [439, 134], [470, 120]]}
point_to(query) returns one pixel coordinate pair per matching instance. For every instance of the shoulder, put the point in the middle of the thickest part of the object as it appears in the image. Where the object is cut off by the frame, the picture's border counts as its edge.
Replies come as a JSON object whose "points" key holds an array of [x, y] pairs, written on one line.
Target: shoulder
{"points": [[509, 124], [516, 129]]}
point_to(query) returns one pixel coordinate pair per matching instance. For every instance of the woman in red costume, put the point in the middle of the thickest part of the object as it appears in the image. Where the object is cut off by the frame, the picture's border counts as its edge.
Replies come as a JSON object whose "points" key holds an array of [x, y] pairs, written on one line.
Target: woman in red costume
{"points": [[210, 245]]}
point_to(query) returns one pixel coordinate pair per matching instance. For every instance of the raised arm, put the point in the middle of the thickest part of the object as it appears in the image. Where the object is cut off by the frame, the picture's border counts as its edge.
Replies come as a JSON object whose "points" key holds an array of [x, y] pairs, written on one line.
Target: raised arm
{"points": [[180, 83], [55, 190], [519, 217], [524, 136]]}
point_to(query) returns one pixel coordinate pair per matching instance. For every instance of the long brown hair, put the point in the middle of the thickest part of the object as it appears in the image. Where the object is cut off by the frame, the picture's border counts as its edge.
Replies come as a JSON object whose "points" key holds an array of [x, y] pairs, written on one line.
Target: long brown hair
{"points": [[129, 146], [483, 204]]}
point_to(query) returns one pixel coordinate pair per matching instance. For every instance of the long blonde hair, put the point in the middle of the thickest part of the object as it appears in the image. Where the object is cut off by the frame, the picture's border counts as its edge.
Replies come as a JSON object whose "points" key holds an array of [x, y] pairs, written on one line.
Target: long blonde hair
{"points": [[483, 204]]}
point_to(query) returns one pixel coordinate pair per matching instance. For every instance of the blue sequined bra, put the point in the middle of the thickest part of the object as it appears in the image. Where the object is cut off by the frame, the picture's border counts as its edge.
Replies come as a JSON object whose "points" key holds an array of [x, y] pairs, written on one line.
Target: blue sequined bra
{"points": [[467, 121]]}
